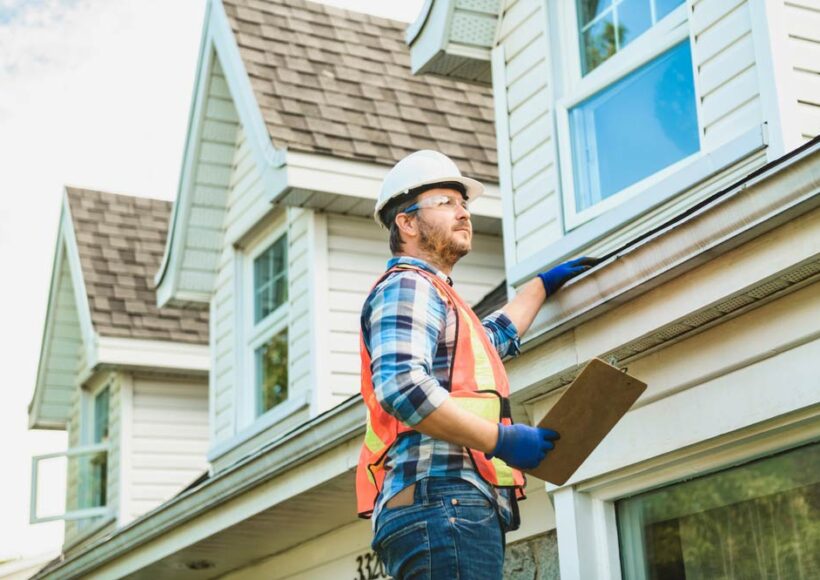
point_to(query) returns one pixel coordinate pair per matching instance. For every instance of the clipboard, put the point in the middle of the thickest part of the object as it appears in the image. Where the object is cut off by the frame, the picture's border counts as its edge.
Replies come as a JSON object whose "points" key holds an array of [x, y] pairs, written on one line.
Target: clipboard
{"points": [[594, 402]]}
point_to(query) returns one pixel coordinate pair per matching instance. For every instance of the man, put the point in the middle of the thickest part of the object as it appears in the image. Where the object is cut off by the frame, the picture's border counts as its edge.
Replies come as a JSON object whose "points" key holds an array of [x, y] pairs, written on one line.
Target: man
{"points": [[437, 471]]}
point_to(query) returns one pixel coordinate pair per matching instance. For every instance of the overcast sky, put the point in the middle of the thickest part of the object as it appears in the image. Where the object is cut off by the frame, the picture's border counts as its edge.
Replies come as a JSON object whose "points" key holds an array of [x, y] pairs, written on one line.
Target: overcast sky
{"points": [[93, 93]]}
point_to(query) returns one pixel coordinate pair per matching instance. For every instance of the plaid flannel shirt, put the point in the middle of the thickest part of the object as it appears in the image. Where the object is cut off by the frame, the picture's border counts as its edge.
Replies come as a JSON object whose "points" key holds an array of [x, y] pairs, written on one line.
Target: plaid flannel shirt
{"points": [[410, 334]]}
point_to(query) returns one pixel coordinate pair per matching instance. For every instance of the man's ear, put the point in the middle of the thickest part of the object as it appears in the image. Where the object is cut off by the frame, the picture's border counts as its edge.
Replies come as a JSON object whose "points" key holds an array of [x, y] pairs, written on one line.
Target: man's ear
{"points": [[407, 225]]}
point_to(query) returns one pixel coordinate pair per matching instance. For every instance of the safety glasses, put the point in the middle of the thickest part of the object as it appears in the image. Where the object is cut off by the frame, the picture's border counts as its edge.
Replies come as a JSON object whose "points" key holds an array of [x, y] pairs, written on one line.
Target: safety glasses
{"points": [[439, 202]]}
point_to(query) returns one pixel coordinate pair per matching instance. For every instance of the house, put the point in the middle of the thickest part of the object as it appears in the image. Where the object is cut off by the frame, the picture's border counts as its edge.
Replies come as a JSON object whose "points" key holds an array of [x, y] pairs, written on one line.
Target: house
{"points": [[299, 110], [126, 380], [679, 144], [679, 141]]}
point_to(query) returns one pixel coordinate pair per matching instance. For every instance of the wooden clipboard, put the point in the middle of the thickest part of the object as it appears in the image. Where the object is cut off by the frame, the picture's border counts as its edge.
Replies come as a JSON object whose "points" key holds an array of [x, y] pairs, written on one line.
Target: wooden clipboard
{"points": [[594, 402]]}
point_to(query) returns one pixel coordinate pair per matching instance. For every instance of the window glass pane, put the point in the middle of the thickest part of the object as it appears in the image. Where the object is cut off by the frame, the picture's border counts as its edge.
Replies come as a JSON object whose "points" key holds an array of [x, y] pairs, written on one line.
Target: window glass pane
{"points": [[634, 18], [272, 372], [97, 464], [589, 9], [606, 28], [598, 42], [101, 416], [634, 128], [664, 7], [760, 520], [268, 268]]}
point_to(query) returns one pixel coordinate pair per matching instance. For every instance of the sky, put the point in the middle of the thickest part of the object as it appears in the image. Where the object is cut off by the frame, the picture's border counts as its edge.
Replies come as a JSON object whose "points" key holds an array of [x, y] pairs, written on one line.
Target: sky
{"points": [[93, 93]]}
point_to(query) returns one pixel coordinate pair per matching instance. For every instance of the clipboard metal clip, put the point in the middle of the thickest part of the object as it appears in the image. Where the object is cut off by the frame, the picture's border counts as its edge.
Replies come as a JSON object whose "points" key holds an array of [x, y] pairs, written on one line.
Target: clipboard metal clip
{"points": [[613, 360]]}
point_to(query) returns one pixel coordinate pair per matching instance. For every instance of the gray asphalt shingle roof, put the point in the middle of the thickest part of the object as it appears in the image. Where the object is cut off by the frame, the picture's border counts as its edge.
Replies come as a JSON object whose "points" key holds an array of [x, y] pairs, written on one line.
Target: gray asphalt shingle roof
{"points": [[337, 82], [121, 241]]}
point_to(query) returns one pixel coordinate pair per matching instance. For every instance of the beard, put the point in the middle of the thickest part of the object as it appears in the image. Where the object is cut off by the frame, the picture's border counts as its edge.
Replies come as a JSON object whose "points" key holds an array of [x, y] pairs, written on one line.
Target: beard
{"points": [[440, 242]]}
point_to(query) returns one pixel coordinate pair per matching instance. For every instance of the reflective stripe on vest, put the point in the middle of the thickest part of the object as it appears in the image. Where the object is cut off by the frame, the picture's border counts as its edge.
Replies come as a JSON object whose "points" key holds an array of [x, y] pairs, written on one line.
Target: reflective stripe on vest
{"points": [[478, 384]]}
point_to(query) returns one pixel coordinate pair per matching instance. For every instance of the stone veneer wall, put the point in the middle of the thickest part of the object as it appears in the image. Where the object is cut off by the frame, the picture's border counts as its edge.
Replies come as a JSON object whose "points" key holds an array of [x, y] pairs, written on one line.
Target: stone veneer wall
{"points": [[535, 558]]}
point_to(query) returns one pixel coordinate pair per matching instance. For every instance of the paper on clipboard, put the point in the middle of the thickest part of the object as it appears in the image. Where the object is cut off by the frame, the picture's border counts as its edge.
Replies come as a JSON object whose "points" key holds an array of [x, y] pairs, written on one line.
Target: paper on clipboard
{"points": [[594, 402]]}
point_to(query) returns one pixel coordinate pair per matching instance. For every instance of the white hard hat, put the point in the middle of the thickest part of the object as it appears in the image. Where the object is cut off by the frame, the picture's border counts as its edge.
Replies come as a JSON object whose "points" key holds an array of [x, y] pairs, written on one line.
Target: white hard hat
{"points": [[423, 167]]}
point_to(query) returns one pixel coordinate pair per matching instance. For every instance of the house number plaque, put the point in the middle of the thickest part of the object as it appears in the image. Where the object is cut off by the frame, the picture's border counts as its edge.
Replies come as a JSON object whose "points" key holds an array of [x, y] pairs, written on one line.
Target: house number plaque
{"points": [[369, 567]]}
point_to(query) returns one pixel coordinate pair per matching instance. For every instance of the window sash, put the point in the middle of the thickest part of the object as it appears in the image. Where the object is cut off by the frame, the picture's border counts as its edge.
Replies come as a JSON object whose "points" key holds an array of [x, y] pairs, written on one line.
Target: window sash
{"points": [[261, 406], [670, 31], [676, 521], [597, 114], [270, 284]]}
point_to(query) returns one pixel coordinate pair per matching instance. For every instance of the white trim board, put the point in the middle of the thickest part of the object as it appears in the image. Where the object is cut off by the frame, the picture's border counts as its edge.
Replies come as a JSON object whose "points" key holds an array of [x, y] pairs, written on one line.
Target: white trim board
{"points": [[359, 179], [152, 354]]}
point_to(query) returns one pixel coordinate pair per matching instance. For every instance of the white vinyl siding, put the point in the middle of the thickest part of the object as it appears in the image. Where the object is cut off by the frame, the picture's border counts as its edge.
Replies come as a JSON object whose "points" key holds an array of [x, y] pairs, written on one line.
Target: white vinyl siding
{"points": [[528, 96], [727, 80], [64, 347], [212, 176], [245, 192], [299, 291], [169, 441], [803, 28], [357, 254]]}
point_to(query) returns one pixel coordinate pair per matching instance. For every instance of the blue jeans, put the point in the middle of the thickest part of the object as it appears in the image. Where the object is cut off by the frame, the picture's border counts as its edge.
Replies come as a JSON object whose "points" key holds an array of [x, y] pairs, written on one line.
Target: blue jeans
{"points": [[450, 531]]}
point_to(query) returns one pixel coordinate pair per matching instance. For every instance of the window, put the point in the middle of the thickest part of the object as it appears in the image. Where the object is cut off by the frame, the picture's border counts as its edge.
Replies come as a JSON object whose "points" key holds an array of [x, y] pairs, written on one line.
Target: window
{"points": [[99, 463], [269, 332], [607, 26], [85, 466], [759, 520], [635, 127], [629, 112], [270, 279]]}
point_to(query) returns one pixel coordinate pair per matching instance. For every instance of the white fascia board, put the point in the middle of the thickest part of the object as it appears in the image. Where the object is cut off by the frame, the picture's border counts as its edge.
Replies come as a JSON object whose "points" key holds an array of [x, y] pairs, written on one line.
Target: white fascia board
{"points": [[347, 177], [152, 354], [166, 279], [65, 253]]}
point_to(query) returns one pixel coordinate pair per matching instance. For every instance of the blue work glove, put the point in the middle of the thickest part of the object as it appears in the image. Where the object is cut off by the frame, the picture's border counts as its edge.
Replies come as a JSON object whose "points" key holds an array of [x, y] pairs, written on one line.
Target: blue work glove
{"points": [[523, 446], [558, 276]]}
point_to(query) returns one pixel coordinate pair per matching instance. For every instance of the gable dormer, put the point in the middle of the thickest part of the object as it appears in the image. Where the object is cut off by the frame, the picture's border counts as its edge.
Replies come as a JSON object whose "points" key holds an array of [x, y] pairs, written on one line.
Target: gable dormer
{"points": [[127, 381]]}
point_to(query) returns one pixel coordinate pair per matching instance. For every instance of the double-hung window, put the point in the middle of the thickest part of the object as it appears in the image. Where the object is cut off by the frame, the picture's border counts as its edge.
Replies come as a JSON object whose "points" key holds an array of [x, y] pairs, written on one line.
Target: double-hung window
{"points": [[269, 332], [85, 465], [629, 112]]}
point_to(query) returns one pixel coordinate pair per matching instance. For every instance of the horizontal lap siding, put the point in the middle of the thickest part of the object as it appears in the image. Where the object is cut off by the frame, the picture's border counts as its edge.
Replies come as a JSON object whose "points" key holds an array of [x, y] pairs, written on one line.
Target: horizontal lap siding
{"points": [[357, 254], [211, 180], [245, 189], [531, 162], [803, 27], [169, 440], [299, 292], [727, 78], [63, 347]]}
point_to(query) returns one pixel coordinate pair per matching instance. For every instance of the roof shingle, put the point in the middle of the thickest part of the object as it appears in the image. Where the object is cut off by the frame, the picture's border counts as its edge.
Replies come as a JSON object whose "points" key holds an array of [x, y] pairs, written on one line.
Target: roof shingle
{"points": [[337, 82], [121, 240]]}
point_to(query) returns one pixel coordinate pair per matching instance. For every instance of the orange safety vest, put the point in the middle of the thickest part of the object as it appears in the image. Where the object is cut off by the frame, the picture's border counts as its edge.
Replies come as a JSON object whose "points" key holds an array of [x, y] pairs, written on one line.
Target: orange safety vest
{"points": [[478, 384]]}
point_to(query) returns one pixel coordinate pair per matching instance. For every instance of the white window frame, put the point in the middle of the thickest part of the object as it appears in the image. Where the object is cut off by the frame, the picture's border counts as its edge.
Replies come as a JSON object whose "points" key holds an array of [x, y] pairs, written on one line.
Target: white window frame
{"points": [[586, 513], [257, 333], [665, 34], [86, 447]]}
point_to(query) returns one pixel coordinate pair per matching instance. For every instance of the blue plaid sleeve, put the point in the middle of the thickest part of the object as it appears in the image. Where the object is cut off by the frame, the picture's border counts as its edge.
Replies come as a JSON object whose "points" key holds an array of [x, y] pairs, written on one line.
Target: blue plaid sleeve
{"points": [[503, 333], [403, 320]]}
